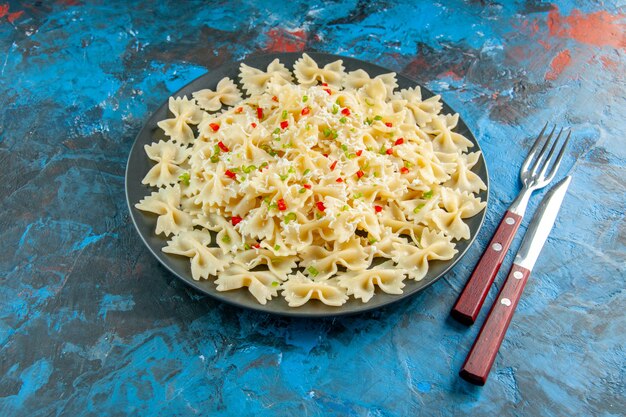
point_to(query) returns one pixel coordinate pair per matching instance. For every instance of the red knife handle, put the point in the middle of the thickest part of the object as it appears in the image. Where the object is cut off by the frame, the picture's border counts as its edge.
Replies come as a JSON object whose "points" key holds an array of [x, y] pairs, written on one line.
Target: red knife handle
{"points": [[480, 359], [473, 296]]}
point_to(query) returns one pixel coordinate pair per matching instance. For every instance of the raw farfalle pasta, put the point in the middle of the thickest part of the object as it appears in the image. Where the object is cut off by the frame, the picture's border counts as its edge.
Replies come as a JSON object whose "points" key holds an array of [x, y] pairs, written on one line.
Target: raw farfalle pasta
{"points": [[335, 186], [225, 93]]}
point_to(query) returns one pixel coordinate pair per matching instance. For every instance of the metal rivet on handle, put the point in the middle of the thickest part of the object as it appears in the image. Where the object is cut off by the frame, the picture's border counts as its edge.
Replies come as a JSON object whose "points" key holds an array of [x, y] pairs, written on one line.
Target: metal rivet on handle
{"points": [[518, 275], [510, 220], [506, 302], [497, 247]]}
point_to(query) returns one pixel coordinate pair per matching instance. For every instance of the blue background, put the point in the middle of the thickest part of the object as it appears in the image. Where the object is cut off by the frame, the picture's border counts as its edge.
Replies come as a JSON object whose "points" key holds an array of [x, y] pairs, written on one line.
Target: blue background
{"points": [[90, 324]]}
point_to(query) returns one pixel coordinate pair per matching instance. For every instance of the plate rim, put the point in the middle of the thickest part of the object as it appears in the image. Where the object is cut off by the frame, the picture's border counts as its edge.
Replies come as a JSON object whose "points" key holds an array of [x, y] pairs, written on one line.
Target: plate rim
{"points": [[294, 312]]}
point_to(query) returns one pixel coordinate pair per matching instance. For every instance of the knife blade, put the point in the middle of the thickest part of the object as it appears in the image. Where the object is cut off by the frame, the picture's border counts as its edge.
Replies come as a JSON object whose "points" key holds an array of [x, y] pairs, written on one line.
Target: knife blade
{"points": [[541, 225], [483, 353]]}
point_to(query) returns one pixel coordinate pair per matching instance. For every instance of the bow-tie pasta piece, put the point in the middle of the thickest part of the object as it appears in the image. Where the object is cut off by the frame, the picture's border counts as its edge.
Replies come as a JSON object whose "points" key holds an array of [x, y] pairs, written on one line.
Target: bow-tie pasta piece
{"points": [[359, 78], [194, 244], [422, 111], [308, 73], [414, 259], [225, 93], [185, 113], [445, 139], [456, 207], [298, 290], [263, 285], [463, 179], [168, 157], [166, 204], [321, 262], [278, 265], [362, 284], [255, 81]]}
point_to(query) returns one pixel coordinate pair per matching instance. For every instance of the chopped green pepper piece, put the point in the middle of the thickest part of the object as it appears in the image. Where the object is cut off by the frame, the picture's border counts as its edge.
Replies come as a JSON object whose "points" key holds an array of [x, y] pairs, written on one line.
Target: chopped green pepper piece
{"points": [[306, 171], [345, 208], [290, 217], [377, 117], [283, 177], [304, 99], [246, 246], [326, 131], [427, 195], [276, 247], [184, 178], [302, 190], [276, 131], [226, 239], [313, 271], [335, 109], [275, 284], [284, 115], [343, 120], [418, 208]]}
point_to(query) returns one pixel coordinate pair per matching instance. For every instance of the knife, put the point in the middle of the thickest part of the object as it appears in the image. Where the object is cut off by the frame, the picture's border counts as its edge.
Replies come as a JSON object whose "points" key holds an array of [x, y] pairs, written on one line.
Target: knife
{"points": [[483, 353]]}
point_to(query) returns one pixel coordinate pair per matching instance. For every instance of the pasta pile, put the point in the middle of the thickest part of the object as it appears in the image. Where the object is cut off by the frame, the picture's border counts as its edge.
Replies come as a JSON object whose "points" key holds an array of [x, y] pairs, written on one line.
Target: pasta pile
{"points": [[322, 187]]}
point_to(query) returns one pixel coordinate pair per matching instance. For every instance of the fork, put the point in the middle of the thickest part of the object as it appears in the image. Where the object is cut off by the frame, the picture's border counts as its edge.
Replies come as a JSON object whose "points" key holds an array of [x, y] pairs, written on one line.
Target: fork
{"points": [[534, 175]]}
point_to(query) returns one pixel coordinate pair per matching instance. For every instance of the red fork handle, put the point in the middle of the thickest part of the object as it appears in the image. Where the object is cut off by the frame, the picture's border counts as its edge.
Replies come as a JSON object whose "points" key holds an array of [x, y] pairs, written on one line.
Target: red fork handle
{"points": [[480, 359], [473, 296]]}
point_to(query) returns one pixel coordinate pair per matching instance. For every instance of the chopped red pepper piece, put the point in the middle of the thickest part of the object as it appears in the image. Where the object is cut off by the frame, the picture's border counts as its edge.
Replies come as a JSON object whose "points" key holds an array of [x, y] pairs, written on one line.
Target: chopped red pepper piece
{"points": [[388, 124], [320, 206], [305, 111], [360, 173], [256, 246], [328, 91], [223, 147], [275, 99], [325, 84], [359, 152], [307, 186], [282, 206], [378, 209], [230, 174], [389, 151], [345, 111], [404, 170], [284, 124], [259, 113], [239, 110], [325, 154], [214, 126], [339, 180], [235, 220], [333, 165], [253, 125], [400, 141]]}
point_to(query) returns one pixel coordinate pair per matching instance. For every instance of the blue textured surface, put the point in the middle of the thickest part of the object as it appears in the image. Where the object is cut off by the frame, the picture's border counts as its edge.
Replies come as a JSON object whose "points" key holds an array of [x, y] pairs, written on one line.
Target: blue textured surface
{"points": [[92, 325]]}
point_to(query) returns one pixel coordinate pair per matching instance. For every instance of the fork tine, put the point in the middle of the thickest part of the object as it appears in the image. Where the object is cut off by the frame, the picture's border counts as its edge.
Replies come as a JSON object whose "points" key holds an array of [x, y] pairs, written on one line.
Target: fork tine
{"points": [[556, 164], [546, 163], [532, 151], [535, 167]]}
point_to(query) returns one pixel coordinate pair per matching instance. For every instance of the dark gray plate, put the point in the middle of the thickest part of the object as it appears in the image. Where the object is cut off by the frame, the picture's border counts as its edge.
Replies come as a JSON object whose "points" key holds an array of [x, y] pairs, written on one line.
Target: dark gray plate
{"points": [[139, 165]]}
